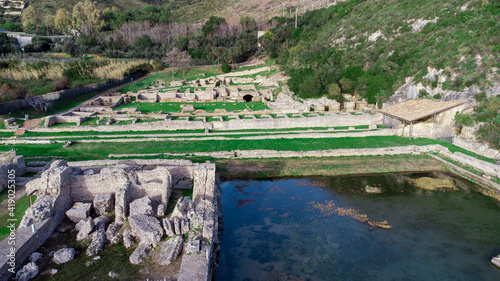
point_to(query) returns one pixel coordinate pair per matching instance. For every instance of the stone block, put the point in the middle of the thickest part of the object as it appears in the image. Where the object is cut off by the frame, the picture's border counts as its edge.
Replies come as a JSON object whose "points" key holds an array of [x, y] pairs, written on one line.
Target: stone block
{"points": [[147, 228], [170, 250], [140, 254], [103, 203], [168, 226], [85, 229], [141, 206], [64, 255], [79, 211], [121, 205]]}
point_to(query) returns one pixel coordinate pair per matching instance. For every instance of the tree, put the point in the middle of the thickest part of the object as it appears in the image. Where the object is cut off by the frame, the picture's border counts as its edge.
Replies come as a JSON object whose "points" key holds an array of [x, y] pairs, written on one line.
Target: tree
{"points": [[87, 18], [62, 21], [37, 102], [212, 25], [38, 44], [144, 42], [30, 17], [176, 58]]}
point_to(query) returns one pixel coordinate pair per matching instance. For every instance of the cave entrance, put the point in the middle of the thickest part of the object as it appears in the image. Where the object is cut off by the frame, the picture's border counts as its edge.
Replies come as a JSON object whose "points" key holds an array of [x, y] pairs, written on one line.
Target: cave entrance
{"points": [[247, 98]]}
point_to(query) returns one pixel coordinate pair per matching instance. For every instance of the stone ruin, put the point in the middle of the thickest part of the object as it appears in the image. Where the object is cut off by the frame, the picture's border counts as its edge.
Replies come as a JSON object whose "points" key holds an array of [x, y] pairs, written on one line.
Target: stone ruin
{"points": [[138, 192]]}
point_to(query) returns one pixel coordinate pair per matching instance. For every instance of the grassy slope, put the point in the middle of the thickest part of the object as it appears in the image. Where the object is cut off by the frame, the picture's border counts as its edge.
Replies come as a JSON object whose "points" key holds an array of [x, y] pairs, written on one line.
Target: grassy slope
{"points": [[451, 43], [51, 6]]}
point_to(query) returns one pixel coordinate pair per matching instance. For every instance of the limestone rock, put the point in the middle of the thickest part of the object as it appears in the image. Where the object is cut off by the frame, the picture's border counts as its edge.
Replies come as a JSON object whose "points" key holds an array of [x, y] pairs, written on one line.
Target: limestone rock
{"points": [[160, 212], [177, 226], [35, 256], [113, 274], [100, 222], [170, 250], [103, 203], [79, 211], [141, 206], [98, 240], [168, 226], [27, 272], [116, 239], [147, 228], [128, 239], [42, 209], [182, 207], [193, 245], [121, 205], [64, 255], [50, 271], [80, 224], [85, 229], [111, 231], [184, 226], [140, 254]]}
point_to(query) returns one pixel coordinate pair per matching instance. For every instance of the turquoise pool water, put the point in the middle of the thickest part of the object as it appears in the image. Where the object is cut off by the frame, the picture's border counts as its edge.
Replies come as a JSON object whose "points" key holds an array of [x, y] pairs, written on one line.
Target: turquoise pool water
{"points": [[272, 230]]}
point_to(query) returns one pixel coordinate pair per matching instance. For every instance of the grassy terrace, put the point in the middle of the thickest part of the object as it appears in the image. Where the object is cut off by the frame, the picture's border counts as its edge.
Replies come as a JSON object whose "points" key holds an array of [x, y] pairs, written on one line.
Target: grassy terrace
{"points": [[173, 132], [87, 151], [208, 107]]}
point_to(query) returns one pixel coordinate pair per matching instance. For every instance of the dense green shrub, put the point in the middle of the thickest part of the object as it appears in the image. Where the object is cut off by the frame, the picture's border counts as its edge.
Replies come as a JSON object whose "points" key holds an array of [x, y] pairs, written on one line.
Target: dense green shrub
{"points": [[226, 68]]}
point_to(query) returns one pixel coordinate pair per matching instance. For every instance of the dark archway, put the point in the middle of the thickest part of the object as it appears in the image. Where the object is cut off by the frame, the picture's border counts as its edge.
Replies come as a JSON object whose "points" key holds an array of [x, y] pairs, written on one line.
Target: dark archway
{"points": [[248, 98]]}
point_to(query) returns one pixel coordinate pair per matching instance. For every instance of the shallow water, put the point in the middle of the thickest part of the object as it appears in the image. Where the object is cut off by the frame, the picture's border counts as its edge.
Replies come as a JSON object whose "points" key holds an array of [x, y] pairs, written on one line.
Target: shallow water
{"points": [[271, 226]]}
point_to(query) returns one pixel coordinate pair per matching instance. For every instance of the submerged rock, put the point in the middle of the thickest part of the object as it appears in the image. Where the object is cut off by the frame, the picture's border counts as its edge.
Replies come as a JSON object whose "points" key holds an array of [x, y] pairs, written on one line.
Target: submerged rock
{"points": [[372, 189], [427, 183]]}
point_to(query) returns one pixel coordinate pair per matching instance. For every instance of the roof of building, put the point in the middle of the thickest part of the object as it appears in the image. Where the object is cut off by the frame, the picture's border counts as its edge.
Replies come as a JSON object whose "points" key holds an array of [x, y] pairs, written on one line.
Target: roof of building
{"points": [[413, 110]]}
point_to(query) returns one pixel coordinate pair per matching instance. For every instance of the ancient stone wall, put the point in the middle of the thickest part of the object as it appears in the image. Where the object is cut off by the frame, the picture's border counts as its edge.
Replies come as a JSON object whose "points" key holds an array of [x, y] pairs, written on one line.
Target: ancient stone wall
{"points": [[478, 148], [16, 164], [331, 120]]}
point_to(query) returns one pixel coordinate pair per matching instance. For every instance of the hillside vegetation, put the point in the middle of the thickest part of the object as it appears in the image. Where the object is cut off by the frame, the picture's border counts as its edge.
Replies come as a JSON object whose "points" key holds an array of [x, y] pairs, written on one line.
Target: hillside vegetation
{"points": [[368, 48]]}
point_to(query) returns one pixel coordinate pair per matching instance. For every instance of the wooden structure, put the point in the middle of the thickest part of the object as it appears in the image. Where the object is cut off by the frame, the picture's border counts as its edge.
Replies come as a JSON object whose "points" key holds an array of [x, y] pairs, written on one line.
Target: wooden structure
{"points": [[413, 110]]}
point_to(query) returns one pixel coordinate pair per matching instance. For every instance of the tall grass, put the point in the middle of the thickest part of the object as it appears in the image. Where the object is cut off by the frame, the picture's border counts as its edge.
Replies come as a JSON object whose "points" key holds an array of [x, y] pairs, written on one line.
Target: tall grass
{"points": [[26, 72], [117, 69]]}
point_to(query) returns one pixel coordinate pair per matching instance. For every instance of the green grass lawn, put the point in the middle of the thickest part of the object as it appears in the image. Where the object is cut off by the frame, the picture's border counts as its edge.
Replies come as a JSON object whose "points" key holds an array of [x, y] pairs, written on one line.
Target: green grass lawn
{"points": [[166, 77], [21, 206], [208, 107], [87, 151]]}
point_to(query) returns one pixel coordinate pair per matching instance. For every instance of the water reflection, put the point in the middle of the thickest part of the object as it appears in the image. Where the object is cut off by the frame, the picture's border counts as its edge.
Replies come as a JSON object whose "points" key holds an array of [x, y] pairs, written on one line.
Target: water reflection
{"points": [[273, 231]]}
